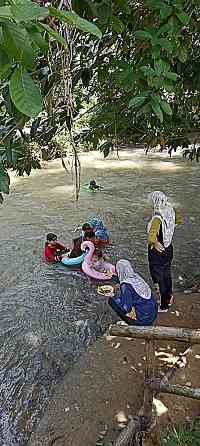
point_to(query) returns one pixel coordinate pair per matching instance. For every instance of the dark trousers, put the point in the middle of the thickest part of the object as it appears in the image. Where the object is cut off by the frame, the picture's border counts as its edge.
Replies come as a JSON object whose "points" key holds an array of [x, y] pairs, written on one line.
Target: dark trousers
{"points": [[160, 270]]}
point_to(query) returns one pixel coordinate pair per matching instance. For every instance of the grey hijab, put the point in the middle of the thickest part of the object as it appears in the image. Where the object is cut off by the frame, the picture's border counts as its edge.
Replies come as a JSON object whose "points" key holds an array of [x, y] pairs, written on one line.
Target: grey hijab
{"points": [[126, 274]]}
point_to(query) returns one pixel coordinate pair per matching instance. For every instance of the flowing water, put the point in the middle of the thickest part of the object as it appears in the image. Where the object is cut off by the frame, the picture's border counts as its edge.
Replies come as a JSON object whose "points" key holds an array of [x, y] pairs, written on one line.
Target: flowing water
{"points": [[48, 314]]}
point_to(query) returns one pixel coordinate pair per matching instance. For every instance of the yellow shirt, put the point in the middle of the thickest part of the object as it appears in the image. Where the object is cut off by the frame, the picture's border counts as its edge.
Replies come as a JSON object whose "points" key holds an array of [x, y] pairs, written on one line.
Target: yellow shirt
{"points": [[155, 227]]}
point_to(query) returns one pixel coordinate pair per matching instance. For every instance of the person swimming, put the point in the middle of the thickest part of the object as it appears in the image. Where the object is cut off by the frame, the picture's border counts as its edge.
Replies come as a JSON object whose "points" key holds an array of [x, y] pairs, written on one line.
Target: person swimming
{"points": [[94, 186]]}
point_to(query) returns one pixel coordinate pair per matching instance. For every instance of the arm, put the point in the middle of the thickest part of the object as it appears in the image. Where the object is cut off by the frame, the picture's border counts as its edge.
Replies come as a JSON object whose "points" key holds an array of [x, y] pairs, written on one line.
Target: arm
{"points": [[153, 235], [62, 247], [126, 297], [178, 217]]}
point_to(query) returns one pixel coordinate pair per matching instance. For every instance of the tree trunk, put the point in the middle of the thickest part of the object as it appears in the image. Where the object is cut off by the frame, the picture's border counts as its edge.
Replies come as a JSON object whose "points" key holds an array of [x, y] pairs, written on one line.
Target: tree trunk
{"points": [[161, 333]]}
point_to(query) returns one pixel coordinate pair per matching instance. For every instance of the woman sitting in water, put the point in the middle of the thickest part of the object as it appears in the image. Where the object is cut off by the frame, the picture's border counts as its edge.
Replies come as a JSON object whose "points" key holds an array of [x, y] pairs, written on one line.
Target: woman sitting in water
{"points": [[135, 303], [101, 233], [54, 250], [86, 234]]}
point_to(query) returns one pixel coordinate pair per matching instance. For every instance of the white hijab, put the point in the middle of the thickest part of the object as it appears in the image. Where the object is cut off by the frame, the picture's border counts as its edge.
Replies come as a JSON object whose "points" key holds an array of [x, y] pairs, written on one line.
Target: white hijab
{"points": [[164, 210], [127, 275]]}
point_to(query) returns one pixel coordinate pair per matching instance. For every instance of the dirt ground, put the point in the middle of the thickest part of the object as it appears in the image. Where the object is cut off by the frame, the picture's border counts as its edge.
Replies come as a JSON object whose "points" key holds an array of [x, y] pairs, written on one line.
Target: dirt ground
{"points": [[105, 388]]}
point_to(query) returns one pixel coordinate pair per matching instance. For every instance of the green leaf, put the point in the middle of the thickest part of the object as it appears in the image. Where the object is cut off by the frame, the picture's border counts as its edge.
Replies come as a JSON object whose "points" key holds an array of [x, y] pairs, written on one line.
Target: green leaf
{"points": [[143, 35], [147, 71], [117, 25], [137, 101], [17, 44], [5, 12], [5, 70], [166, 44], [156, 52], [183, 17], [165, 12], [4, 59], [37, 38], [172, 76], [163, 29], [52, 33], [166, 107], [126, 77], [182, 53], [103, 11], [4, 180], [24, 93], [144, 110], [26, 10], [161, 66], [174, 24], [157, 109], [75, 20]]}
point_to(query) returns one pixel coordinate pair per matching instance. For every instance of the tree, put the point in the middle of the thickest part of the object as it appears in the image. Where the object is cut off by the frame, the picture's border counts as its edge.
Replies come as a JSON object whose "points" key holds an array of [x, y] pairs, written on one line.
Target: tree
{"points": [[152, 51], [27, 30]]}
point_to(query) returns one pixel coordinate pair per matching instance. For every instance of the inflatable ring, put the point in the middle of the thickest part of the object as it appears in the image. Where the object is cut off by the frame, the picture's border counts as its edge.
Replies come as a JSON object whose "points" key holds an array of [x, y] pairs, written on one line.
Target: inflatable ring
{"points": [[87, 188], [67, 261], [87, 264]]}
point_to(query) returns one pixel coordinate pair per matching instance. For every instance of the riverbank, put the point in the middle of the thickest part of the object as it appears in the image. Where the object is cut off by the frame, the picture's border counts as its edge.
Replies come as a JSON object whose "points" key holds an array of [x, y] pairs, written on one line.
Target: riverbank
{"points": [[105, 388]]}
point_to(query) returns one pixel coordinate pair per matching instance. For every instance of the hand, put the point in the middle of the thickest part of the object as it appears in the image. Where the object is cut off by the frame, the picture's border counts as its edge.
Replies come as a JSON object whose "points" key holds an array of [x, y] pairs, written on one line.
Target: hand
{"points": [[109, 274], [110, 295], [159, 247], [58, 258]]}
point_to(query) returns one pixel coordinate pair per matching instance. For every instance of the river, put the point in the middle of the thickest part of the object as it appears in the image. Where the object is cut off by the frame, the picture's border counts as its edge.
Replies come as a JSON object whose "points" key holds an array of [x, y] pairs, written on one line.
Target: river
{"points": [[48, 313]]}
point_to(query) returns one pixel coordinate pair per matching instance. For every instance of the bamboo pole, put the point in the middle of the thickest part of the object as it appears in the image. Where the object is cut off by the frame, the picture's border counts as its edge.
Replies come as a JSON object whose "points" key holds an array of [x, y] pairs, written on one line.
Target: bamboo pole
{"points": [[127, 436], [161, 333], [174, 389], [146, 410]]}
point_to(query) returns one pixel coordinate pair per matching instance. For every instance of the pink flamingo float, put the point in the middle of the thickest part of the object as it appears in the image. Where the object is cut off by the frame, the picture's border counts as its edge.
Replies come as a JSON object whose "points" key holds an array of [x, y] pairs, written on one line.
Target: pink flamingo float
{"points": [[87, 266]]}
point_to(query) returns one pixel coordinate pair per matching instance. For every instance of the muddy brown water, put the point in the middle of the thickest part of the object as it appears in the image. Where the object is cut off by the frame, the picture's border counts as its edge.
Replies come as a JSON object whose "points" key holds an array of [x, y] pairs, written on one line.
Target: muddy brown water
{"points": [[49, 314]]}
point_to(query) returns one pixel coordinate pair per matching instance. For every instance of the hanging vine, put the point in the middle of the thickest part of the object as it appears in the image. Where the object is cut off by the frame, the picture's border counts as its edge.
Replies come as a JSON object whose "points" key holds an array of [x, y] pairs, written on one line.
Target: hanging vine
{"points": [[69, 35]]}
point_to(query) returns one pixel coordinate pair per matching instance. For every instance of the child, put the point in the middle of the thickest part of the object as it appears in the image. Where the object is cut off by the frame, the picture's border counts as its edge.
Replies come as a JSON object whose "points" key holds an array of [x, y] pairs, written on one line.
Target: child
{"points": [[94, 186], [87, 234], [100, 262], [54, 250]]}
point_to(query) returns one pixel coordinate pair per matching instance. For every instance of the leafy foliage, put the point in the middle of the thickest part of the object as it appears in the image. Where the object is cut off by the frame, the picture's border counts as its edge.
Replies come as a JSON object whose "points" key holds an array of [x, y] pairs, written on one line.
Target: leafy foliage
{"points": [[28, 31], [184, 435]]}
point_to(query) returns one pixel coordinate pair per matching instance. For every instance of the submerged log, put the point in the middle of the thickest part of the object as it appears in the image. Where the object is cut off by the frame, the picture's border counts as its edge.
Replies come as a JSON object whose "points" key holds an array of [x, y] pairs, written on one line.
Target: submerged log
{"points": [[161, 333]]}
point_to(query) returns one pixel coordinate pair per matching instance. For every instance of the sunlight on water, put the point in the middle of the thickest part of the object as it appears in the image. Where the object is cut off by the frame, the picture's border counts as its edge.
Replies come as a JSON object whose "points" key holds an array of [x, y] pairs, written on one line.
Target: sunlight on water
{"points": [[49, 313]]}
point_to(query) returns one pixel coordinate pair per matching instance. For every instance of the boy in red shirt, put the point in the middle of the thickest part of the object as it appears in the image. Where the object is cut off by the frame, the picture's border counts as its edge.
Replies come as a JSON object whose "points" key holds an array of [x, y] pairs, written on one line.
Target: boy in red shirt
{"points": [[53, 249]]}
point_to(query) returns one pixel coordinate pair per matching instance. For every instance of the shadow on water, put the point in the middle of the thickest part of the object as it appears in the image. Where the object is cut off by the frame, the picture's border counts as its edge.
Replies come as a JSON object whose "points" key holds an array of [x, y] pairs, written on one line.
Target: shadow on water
{"points": [[49, 314]]}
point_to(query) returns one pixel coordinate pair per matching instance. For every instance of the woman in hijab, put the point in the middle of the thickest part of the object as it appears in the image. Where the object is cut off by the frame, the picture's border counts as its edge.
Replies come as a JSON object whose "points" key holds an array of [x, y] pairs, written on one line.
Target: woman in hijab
{"points": [[135, 304], [160, 250], [100, 230]]}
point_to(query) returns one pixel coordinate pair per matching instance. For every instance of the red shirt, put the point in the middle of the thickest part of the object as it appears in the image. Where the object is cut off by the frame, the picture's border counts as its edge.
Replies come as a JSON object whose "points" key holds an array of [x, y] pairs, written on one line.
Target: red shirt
{"points": [[50, 252]]}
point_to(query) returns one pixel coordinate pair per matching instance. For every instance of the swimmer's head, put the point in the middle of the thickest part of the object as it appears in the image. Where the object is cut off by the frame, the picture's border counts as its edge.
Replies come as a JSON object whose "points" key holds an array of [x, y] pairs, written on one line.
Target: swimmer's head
{"points": [[52, 238]]}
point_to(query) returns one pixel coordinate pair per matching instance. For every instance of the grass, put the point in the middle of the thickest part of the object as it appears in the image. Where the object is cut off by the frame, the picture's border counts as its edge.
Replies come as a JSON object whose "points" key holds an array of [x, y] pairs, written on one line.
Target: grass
{"points": [[183, 435]]}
